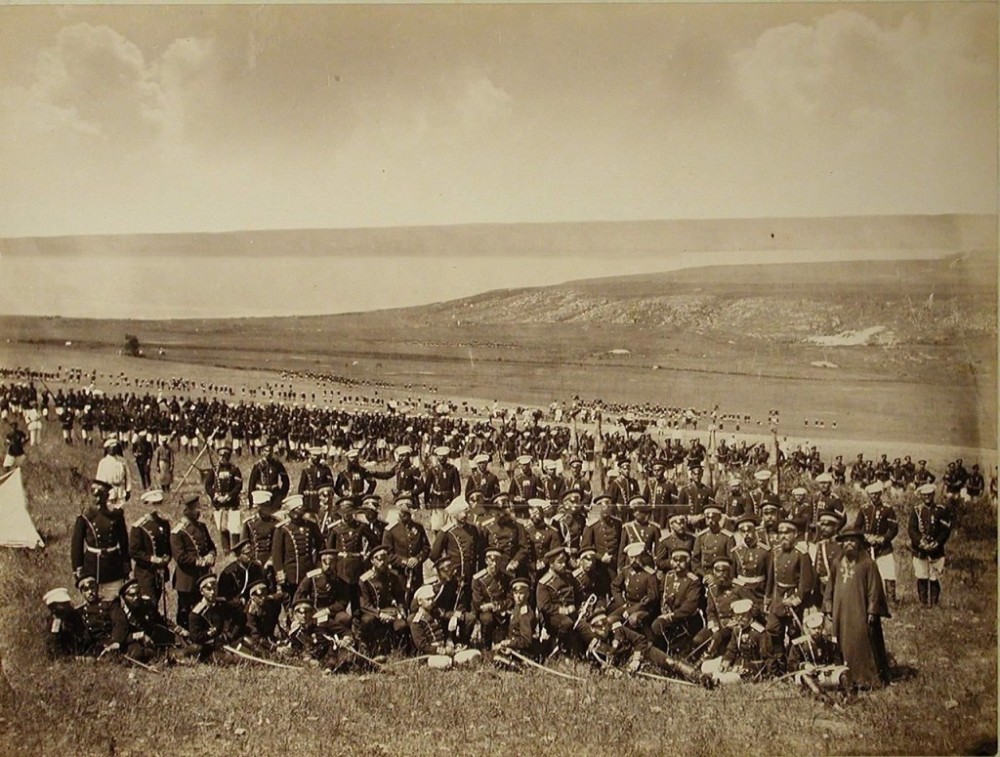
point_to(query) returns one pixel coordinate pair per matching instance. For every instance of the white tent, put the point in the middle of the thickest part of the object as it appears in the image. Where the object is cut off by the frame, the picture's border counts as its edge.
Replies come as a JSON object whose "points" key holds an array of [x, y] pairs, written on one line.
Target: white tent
{"points": [[16, 528]]}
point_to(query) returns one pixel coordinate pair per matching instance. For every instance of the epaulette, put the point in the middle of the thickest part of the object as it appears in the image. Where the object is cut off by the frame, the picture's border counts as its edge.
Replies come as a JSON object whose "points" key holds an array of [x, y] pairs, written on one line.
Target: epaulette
{"points": [[487, 522], [703, 531], [143, 519], [547, 578], [177, 529], [322, 616], [200, 607], [314, 573], [800, 640], [757, 627], [694, 576], [649, 570], [480, 574], [802, 547], [368, 575], [451, 527], [524, 610], [578, 573], [727, 533]]}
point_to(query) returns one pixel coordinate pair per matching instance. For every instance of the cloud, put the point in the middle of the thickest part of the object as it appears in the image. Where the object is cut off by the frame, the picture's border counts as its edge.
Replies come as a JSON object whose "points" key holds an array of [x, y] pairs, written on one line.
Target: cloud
{"points": [[96, 83]]}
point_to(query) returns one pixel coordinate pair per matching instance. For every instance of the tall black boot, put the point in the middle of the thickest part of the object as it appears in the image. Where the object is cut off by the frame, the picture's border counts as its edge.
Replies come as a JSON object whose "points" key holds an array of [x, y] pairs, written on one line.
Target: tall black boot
{"points": [[935, 593], [922, 591]]}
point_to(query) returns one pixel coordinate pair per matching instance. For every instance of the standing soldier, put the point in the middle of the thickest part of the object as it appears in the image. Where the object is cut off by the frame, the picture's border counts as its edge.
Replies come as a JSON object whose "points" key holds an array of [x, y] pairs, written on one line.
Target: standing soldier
{"points": [[623, 488], [505, 535], [482, 480], [638, 531], [268, 474], [113, 470], [761, 493], [259, 531], [236, 578], [163, 464], [315, 476], [142, 450], [696, 495], [353, 540], [676, 537], [877, 521], [295, 547], [558, 598], [929, 528], [462, 544], [356, 481], [750, 559], [604, 537], [553, 485], [789, 584], [408, 481], [223, 485], [408, 547], [660, 493], [825, 500], [442, 486], [825, 551], [99, 547], [149, 546], [524, 485], [577, 479], [194, 554], [711, 543], [735, 504], [543, 537]]}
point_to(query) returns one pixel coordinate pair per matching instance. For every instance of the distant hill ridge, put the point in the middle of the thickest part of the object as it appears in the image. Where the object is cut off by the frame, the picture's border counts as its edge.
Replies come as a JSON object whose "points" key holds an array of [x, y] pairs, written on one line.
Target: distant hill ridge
{"points": [[668, 237]]}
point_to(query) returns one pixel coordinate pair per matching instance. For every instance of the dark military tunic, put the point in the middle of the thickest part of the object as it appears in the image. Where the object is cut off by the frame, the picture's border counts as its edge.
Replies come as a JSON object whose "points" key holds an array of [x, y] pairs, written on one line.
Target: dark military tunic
{"points": [[224, 485], [353, 541], [878, 521], [510, 538], [461, 543], [150, 537], [100, 545], [323, 590], [428, 631], [295, 550], [259, 530], [709, 547], [189, 541]]}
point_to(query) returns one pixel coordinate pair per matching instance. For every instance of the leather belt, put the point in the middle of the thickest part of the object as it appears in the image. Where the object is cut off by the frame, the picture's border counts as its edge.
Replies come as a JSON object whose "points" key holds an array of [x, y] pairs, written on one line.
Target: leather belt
{"points": [[100, 550]]}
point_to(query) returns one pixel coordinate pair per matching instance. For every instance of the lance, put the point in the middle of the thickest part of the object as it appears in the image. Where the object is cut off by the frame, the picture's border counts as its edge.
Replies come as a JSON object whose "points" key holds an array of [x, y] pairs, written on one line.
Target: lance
{"points": [[534, 664], [261, 660]]}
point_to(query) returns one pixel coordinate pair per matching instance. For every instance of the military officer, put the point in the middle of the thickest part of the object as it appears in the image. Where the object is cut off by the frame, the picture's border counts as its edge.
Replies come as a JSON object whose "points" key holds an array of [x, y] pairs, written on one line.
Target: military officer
{"points": [[634, 591], [295, 547], [506, 535], [750, 559], [408, 547], [640, 530], [314, 477], [543, 537], [482, 479], [604, 537], [676, 537], [660, 493], [325, 590], [929, 527], [383, 611], [695, 495], [96, 614], [194, 554], [99, 545], [577, 479], [789, 584], [558, 598], [149, 547], [269, 474], [236, 578], [214, 622], [259, 531], [462, 544], [825, 551], [491, 597], [223, 485], [877, 521], [711, 542], [681, 598]]}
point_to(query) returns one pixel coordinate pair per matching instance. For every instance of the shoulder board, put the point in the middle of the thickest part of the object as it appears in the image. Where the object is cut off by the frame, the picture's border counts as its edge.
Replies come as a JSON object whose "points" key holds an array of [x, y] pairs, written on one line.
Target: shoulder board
{"points": [[802, 547], [144, 519], [480, 574], [649, 570], [200, 607], [578, 572], [727, 533], [177, 529], [368, 575], [451, 527], [757, 627], [314, 573], [703, 531], [488, 522], [694, 576], [799, 640], [547, 578], [322, 615]]}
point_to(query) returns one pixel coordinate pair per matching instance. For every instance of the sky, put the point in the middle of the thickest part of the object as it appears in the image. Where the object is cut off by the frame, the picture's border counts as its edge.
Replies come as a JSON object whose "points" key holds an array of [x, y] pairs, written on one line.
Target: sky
{"points": [[187, 118]]}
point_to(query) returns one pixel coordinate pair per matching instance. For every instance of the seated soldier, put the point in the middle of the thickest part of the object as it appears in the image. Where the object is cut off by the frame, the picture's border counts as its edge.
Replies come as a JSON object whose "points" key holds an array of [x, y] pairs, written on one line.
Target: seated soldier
{"points": [[67, 636], [713, 638], [635, 591], [491, 598], [522, 630], [615, 645], [816, 658], [262, 613], [214, 623], [749, 647], [681, 598], [138, 630], [383, 614]]}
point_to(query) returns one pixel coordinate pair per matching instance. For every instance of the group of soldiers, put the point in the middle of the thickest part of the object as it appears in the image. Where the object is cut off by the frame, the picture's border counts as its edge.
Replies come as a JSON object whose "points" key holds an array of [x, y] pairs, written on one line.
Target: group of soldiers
{"points": [[670, 574]]}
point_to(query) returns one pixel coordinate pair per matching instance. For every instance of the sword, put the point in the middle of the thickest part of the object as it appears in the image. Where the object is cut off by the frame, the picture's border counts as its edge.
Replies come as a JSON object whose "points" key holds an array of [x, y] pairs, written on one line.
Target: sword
{"points": [[261, 660], [534, 664], [665, 679], [142, 665]]}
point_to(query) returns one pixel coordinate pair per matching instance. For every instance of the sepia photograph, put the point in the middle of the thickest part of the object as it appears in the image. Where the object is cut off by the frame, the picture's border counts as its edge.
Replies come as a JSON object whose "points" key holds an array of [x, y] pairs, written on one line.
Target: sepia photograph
{"points": [[534, 379]]}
